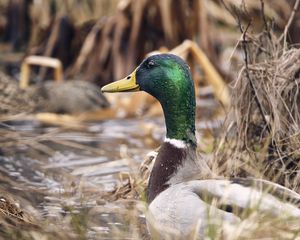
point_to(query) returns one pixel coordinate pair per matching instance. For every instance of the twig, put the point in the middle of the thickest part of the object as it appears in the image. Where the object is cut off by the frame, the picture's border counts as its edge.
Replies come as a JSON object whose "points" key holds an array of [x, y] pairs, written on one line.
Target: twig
{"points": [[232, 12], [244, 33], [256, 98], [287, 26], [264, 18]]}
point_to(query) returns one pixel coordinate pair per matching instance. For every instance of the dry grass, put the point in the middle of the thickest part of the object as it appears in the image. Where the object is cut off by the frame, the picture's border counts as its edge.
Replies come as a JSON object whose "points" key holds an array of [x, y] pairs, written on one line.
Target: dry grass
{"points": [[263, 127]]}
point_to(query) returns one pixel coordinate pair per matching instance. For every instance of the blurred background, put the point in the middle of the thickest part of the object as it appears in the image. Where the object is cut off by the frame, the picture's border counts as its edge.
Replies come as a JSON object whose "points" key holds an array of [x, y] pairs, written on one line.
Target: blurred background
{"points": [[64, 146], [101, 41]]}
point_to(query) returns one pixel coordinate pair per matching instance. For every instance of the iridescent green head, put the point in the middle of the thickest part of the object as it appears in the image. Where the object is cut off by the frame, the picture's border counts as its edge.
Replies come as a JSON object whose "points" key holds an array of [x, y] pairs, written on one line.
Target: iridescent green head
{"points": [[167, 78]]}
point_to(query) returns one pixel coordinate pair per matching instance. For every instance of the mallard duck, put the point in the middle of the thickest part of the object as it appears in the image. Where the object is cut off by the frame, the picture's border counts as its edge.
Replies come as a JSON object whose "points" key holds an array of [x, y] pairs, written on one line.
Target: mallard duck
{"points": [[181, 205], [69, 97], [64, 97]]}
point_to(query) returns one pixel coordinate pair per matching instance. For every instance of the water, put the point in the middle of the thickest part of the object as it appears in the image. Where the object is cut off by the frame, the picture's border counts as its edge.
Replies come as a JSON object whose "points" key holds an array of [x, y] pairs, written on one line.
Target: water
{"points": [[63, 173], [59, 175]]}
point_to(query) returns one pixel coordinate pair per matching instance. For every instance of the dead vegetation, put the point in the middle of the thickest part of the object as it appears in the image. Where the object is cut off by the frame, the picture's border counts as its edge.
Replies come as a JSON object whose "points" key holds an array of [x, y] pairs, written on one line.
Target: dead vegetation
{"points": [[266, 99], [263, 126], [261, 137], [104, 49], [103, 41]]}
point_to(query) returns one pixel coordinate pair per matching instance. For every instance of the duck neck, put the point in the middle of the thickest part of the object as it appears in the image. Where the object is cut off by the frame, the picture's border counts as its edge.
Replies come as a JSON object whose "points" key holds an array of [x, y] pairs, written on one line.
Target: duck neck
{"points": [[178, 104], [180, 121], [175, 161]]}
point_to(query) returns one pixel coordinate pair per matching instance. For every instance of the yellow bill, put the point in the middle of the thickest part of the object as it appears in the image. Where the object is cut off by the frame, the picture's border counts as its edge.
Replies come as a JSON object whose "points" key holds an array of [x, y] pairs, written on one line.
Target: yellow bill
{"points": [[127, 84]]}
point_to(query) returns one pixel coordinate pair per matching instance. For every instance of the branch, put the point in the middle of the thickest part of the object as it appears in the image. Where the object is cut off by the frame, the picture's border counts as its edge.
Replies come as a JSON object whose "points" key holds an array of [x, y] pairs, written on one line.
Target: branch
{"points": [[264, 18], [256, 98], [287, 26]]}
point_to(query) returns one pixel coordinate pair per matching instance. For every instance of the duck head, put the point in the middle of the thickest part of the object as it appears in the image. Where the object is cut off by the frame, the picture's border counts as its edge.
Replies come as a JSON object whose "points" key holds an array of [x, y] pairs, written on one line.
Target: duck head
{"points": [[167, 78]]}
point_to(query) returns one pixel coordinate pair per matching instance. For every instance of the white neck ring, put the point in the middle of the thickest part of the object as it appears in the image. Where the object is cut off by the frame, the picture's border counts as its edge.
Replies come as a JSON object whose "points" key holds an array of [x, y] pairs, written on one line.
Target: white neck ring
{"points": [[176, 143]]}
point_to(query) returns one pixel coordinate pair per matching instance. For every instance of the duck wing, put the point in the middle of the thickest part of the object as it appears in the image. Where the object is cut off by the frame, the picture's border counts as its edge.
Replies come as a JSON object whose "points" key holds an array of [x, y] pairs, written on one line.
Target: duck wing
{"points": [[196, 206], [280, 192], [243, 195]]}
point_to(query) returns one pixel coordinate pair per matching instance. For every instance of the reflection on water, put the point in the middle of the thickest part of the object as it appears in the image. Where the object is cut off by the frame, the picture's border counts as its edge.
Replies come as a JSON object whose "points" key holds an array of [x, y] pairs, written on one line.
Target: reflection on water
{"points": [[61, 173]]}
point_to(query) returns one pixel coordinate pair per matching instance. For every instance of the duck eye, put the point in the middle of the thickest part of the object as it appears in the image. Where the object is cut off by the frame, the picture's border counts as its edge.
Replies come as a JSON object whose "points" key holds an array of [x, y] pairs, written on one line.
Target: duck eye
{"points": [[151, 63]]}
